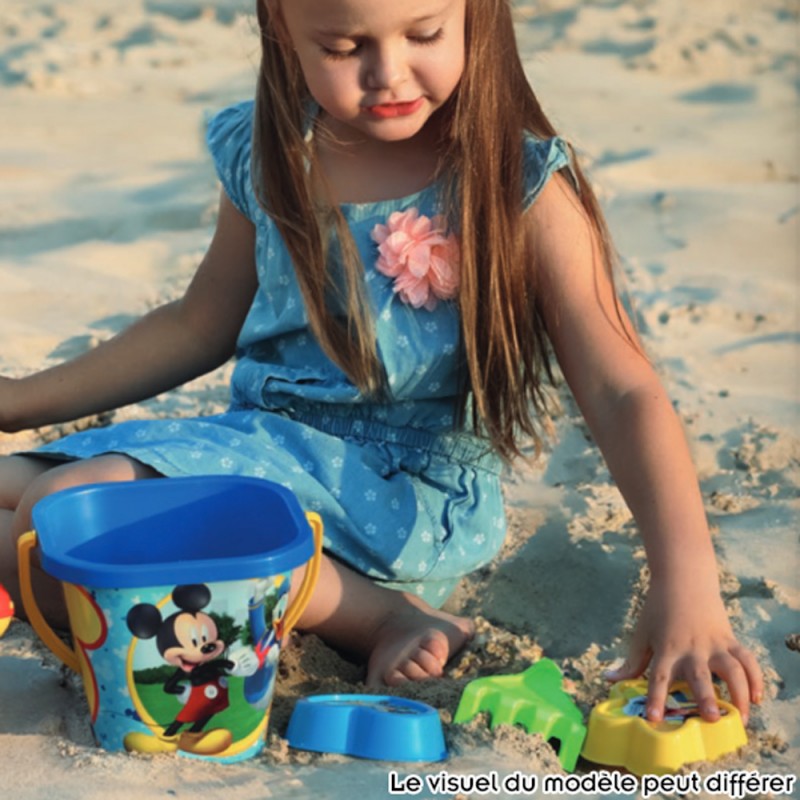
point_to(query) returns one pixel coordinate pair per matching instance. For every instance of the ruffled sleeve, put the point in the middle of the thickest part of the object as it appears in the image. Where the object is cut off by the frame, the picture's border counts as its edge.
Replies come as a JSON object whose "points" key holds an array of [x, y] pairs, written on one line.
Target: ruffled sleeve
{"points": [[542, 157], [229, 136]]}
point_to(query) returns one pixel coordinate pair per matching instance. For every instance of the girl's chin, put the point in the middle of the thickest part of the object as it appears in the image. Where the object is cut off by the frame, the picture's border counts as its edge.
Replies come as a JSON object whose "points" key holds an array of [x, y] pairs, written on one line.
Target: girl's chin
{"points": [[383, 129]]}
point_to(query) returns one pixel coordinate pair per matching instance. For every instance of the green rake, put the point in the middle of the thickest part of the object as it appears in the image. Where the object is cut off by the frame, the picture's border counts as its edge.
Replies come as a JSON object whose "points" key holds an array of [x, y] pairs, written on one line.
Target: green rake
{"points": [[532, 699]]}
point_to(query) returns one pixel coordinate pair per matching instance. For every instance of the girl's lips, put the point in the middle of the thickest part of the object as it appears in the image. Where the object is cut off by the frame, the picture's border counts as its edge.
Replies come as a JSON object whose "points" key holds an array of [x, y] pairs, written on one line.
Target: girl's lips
{"points": [[389, 110]]}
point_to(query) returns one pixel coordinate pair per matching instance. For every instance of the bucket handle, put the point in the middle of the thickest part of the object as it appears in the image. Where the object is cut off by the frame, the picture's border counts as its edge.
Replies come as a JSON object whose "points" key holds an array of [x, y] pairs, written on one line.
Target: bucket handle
{"points": [[25, 545], [306, 589]]}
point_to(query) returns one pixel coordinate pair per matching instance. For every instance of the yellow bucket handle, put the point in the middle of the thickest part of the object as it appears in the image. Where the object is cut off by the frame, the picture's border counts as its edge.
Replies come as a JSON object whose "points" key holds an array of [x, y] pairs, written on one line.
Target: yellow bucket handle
{"points": [[25, 545], [300, 601]]}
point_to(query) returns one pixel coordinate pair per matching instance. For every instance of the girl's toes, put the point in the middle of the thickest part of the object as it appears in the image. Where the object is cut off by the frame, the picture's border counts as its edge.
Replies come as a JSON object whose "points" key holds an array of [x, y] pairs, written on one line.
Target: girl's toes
{"points": [[408, 670], [416, 647], [425, 661], [434, 650], [394, 678], [423, 664]]}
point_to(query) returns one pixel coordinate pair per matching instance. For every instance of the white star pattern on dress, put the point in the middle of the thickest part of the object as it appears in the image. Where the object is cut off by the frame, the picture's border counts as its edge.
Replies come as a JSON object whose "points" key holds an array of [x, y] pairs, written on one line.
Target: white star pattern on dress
{"points": [[371, 465]]}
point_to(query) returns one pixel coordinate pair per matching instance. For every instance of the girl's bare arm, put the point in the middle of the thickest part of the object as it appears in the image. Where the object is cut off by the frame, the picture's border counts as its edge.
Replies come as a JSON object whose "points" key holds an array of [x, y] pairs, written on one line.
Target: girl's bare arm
{"points": [[167, 347], [683, 631]]}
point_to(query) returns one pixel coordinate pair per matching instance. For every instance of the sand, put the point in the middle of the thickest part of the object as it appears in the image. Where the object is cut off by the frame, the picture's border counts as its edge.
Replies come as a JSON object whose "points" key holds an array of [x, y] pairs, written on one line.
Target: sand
{"points": [[686, 116]]}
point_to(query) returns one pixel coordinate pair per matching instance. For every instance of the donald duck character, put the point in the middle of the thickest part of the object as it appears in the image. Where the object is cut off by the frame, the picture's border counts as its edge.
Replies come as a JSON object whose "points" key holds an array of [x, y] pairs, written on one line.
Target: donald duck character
{"points": [[266, 611]]}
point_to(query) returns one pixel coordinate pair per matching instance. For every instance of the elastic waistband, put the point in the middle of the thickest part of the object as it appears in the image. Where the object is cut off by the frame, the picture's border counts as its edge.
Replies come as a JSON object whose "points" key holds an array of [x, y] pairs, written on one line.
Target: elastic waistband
{"points": [[354, 423]]}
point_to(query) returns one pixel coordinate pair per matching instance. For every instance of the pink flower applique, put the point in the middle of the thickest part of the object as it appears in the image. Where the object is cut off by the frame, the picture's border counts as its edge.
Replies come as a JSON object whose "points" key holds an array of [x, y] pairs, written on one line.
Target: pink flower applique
{"points": [[420, 255]]}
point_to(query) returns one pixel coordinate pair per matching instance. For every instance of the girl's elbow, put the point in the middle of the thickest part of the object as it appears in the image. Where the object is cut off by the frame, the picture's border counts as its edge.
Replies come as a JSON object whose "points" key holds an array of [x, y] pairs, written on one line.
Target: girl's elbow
{"points": [[213, 354]]}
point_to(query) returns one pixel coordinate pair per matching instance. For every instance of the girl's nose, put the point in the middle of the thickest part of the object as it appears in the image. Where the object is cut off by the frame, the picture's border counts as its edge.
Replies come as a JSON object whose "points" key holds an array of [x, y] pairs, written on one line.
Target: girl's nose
{"points": [[386, 68]]}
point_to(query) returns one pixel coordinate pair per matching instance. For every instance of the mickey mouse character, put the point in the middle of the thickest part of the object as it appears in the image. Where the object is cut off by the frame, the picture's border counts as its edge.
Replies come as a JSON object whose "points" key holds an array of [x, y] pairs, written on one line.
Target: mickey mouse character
{"points": [[189, 640]]}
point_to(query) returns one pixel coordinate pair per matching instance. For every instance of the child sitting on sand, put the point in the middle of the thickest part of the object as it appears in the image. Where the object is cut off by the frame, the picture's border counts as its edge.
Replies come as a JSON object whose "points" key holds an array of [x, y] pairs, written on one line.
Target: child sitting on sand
{"points": [[401, 238]]}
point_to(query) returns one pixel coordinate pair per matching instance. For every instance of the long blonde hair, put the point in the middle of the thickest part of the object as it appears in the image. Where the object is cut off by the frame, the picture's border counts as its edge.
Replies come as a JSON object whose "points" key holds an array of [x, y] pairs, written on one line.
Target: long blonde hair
{"points": [[506, 354]]}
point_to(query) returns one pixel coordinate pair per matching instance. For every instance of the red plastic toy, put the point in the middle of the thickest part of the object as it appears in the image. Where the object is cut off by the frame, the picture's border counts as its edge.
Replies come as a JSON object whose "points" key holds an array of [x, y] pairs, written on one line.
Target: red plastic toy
{"points": [[6, 609]]}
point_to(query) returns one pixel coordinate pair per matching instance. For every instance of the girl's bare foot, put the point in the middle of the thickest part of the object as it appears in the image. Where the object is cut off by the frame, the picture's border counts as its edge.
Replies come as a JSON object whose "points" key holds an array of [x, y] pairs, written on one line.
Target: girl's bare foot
{"points": [[415, 644], [399, 635]]}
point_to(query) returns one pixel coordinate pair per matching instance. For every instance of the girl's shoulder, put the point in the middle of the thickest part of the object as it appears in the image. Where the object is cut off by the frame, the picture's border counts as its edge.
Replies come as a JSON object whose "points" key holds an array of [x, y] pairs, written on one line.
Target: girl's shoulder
{"points": [[229, 137], [541, 158], [235, 117]]}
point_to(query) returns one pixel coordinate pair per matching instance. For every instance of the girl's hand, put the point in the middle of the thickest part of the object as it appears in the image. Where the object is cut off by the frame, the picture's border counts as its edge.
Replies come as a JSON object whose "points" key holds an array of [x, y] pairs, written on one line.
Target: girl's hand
{"points": [[685, 634]]}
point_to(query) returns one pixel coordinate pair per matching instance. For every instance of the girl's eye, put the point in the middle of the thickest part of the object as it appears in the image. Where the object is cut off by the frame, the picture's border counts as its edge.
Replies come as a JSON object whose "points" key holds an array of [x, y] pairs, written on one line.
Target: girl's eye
{"points": [[422, 38], [430, 38], [339, 54]]}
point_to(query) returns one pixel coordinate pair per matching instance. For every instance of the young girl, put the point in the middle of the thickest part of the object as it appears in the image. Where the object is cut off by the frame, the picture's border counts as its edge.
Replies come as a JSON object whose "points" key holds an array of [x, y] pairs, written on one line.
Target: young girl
{"points": [[401, 237]]}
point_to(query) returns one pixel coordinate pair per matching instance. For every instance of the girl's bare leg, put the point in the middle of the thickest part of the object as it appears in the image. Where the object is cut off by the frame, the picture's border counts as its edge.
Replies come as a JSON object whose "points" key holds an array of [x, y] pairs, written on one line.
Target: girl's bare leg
{"points": [[24, 480], [400, 635]]}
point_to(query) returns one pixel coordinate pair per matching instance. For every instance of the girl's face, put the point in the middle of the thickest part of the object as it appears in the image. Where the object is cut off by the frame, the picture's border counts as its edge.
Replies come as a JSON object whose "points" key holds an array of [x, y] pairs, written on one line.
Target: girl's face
{"points": [[378, 67]]}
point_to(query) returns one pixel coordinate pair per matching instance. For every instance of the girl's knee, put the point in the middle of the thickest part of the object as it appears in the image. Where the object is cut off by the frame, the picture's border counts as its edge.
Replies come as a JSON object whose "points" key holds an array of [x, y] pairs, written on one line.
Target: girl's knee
{"points": [[17, 473], [101, 469]]}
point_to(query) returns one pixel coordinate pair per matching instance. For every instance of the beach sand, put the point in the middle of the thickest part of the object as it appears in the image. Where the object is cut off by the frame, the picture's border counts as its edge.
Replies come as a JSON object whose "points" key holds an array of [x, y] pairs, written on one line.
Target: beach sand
{"points": [[686, 116]]}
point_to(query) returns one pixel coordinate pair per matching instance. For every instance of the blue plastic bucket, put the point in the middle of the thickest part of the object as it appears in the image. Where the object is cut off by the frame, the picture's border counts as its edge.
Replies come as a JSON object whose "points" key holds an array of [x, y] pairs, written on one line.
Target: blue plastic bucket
{"points": [[177, 592]]}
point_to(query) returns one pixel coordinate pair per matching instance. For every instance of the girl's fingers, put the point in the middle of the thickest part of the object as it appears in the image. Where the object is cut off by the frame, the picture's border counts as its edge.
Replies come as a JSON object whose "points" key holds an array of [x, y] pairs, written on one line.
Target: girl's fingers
{"points": [[657, 689], [738, 668], [733, 673], [755, 678], [634, 665], [695, 673], [698, 675]]}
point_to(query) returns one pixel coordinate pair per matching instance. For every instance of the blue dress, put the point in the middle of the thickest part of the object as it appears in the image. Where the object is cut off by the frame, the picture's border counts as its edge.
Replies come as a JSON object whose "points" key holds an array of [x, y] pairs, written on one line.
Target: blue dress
{"points": [[405, 497]]}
